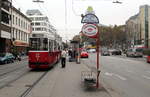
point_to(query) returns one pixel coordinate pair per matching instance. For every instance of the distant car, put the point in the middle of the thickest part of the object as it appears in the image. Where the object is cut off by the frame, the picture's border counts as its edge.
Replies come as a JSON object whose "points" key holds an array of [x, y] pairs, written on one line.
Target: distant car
{"points": [[6, 58], [134, 52], [115, 52], [105, 53], [84, 54], [148, 59], [91, 50]]}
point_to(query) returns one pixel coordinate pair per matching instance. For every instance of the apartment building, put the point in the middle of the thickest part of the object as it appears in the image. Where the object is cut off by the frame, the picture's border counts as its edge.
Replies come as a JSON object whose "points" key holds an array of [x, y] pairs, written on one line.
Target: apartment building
{"points": [[138, 27], [5, 25], [20, 31]]}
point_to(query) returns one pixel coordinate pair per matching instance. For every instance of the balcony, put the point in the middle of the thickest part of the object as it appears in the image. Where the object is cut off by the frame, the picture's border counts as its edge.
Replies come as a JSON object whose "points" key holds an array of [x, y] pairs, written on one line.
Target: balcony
{"points": [[6, 5]]}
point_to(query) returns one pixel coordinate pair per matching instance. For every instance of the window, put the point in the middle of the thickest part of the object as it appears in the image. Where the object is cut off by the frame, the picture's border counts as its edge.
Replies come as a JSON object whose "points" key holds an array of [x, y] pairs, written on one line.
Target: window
{"points": [[32, 18], [32, 29], [16, 20], [19, 22], [38, 29], [32, 24], [13, 19], [37, 23]]}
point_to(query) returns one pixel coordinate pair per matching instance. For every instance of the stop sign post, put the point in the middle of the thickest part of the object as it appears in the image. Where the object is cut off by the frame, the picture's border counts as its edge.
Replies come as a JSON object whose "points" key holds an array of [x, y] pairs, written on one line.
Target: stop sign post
{"points": [[91, 30]]}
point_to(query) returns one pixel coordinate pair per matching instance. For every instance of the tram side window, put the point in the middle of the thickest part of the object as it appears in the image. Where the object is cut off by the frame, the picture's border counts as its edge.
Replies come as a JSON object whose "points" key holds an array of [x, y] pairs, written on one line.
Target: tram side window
{"points": [[45, 44], [50, 45]]}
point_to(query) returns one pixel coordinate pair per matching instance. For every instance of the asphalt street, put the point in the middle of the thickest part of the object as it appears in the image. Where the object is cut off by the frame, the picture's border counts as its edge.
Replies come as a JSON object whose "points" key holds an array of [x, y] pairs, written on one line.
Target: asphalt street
{"points": [[126, 77]]}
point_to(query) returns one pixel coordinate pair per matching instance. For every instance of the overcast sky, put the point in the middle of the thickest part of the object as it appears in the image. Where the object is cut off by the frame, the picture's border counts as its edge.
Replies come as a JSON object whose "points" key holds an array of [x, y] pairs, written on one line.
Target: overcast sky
{"points": [[108, 13]]}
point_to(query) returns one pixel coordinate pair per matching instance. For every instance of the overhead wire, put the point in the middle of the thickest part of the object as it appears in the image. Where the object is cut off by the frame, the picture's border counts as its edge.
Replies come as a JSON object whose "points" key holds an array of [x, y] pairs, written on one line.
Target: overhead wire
{"points": [[73, 10]]}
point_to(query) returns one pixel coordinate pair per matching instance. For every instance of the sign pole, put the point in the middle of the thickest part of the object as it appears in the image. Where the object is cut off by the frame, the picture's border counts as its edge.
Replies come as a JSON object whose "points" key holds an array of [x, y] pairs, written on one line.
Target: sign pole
{"points": [[98, 72]]}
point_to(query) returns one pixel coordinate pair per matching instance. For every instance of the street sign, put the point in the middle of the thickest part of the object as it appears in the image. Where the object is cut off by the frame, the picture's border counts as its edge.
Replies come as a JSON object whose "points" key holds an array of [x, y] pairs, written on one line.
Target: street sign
{"points": [[90, 18], [90, 30]]}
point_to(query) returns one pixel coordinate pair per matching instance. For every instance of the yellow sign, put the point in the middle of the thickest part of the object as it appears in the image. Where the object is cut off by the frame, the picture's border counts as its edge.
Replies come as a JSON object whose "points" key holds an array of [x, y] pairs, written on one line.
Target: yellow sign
{"points": [[90, 9]]}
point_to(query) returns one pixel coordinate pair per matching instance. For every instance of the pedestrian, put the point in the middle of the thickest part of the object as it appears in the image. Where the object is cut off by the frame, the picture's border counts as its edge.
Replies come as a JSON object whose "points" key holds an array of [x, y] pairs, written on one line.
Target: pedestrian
{"points": [[63, 58]]}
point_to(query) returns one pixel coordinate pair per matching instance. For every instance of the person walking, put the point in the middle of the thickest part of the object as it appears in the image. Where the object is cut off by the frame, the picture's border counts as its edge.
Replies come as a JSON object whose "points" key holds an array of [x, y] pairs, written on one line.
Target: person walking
{"points": [[63, 58]]}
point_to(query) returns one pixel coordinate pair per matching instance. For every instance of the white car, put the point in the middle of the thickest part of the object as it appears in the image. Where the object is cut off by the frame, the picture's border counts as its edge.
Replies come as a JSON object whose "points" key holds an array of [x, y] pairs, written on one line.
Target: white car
{"points": [[91, 50]]}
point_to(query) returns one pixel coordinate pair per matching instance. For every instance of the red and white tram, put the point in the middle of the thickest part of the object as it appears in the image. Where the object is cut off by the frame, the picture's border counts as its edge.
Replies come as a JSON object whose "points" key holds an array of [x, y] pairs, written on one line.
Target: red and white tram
{"points": [[43, 53]]}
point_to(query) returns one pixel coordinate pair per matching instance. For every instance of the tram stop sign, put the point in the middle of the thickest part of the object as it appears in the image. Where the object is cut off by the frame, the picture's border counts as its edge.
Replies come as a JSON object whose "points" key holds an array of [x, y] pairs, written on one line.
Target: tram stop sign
{"points": [[90, 18], [90, 30]]}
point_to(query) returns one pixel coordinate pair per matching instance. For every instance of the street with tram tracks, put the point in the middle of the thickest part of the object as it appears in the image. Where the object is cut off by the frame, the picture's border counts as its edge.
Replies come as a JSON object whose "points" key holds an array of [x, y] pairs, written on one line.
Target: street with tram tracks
{"points": [[17, 80]]}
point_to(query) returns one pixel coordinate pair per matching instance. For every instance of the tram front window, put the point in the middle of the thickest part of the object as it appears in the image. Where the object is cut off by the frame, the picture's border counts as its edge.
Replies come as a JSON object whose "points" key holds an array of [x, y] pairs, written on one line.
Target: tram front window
{"points": [[40, 44]]}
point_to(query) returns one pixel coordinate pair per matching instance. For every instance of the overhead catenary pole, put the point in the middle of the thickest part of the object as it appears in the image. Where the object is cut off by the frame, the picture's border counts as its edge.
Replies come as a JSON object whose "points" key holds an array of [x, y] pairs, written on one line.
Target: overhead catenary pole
{"points": [[66, 18]]}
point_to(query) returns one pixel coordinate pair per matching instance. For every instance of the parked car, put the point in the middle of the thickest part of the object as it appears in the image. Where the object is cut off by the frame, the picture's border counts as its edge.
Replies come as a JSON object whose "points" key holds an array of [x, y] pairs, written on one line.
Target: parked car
{"points": [[115, 52], [84, 54], [105, 52], [6, 58], [91, 50], [134, 52]]}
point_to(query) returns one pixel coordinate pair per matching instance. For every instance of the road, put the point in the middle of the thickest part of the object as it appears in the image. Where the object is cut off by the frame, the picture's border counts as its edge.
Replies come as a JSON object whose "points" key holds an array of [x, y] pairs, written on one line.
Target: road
{"points": [[121, 77], [124, 77]]}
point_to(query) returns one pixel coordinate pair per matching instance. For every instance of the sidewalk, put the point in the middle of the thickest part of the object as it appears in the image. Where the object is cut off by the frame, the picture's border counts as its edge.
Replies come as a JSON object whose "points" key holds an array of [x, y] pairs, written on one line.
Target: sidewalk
{"points": [[65, 82]]}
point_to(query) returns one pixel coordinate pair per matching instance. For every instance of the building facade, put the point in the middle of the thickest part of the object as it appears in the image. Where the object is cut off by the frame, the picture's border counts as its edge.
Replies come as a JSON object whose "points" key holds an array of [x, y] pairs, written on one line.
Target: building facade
{"points": [[41, 27], [144, 15], [138, 28], [5, 25], [133, 31], [20, 31]]}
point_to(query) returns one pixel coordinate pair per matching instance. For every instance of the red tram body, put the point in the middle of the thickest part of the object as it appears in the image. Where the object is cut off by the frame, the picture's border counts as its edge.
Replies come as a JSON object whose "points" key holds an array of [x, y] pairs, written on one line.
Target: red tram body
{"points": [[42, 58]]}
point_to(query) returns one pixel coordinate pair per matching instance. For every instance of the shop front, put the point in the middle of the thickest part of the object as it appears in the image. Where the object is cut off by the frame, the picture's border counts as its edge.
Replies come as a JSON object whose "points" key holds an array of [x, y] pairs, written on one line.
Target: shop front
{"points": [[20, 47]]}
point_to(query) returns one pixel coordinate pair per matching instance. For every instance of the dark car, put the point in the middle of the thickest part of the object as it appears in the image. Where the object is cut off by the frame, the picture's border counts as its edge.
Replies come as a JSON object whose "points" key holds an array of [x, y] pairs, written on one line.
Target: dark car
{"points": [[6, 58], [116, 52]]}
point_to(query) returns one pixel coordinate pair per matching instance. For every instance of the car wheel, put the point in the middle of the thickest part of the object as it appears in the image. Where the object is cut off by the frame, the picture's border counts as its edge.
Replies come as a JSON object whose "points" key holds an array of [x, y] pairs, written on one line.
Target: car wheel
{"points": [[5, 62], [12, 61]]}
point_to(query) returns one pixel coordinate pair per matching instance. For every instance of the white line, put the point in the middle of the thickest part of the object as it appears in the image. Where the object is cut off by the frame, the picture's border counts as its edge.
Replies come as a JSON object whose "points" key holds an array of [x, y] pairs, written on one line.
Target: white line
{"points": [[147, 77], [108, 74], [116, 75], [120, 77], [129, 71], [148, 71]]}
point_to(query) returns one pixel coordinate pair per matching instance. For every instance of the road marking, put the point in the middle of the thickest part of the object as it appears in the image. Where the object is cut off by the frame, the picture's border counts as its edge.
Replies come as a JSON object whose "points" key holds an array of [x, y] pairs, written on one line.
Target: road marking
{"points": [[148, 71], [146, 77], [129, 71], [116, 75], [108, 74], [120, 77]]}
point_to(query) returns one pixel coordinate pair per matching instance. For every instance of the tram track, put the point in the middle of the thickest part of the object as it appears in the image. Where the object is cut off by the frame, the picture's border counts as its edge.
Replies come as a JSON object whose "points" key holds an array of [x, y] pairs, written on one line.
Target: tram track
{"points": [[13, 80], [27, 91], [12, 70], [11, 73]]}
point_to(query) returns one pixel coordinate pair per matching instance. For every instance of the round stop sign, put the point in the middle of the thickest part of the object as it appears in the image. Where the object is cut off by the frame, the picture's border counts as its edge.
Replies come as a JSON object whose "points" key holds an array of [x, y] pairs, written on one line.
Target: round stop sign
{"points": [[90, 30]]}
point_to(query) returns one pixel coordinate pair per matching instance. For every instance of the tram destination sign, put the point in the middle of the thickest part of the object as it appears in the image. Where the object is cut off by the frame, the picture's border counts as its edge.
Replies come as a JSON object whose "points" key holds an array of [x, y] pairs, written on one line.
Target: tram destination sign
{"points": [[90, 30], [90, 18]]}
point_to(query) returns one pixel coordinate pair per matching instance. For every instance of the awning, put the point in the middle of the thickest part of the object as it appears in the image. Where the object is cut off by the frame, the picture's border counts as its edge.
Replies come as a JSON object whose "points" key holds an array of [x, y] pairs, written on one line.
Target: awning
{"points": [[20, 43]]}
